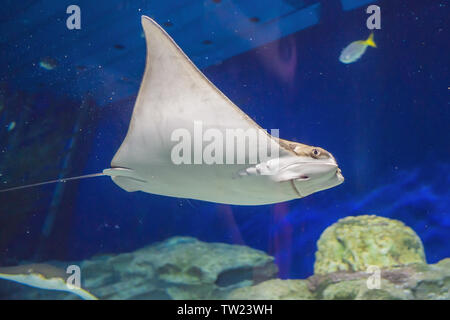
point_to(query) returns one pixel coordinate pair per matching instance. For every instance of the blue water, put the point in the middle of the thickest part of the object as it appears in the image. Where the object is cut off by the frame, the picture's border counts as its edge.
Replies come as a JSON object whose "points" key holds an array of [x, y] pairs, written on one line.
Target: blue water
{"points": [[385, 118]]}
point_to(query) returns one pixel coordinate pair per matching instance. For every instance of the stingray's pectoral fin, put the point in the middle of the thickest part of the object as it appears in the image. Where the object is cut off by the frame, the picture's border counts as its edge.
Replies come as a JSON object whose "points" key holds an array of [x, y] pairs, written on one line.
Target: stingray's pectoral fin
{"points": [[126, 178]]}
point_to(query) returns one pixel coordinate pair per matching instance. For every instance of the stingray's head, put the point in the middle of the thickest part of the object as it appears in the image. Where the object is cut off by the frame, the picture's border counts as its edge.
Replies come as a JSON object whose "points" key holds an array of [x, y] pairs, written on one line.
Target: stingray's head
{"points": [[311, 169]]}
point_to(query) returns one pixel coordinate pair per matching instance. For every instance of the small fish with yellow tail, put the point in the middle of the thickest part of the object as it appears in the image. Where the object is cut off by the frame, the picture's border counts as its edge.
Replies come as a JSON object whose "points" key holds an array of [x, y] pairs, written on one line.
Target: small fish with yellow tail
{"points": [[356, 49]]}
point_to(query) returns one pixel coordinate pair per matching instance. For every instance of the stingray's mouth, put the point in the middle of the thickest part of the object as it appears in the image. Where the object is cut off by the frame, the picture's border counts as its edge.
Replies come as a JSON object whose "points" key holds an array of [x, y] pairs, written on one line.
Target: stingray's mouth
{"points": [[306, 184], [296, 189]]}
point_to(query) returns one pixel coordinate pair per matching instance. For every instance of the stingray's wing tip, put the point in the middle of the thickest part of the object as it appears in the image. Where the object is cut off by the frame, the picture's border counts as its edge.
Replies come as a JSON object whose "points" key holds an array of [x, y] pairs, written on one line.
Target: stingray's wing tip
{"points": [[147, 20], [150, 25]]}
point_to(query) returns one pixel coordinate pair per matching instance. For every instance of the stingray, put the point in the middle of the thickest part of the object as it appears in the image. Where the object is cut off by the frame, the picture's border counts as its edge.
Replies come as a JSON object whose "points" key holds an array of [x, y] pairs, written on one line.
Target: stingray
{"points": [[175, 95], [43, 276]]}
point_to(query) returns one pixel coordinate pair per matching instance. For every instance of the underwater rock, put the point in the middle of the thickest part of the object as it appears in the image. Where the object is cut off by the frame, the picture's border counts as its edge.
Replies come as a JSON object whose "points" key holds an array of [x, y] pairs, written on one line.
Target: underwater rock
{"points": [[415, 281], [358, 290], [178, 268], [186, 268], [346, 249], [433, 282], [412, 282], [275, 289], [355, 243]]}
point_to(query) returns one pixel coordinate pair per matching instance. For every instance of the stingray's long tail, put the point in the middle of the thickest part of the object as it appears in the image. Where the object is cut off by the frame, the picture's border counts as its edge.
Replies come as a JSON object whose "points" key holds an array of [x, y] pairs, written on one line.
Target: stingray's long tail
{"points": [[92, 175]]}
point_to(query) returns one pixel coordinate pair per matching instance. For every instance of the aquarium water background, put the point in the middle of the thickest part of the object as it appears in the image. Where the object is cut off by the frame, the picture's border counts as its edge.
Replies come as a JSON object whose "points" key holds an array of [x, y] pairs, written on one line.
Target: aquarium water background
{"points": [[385, 118]]}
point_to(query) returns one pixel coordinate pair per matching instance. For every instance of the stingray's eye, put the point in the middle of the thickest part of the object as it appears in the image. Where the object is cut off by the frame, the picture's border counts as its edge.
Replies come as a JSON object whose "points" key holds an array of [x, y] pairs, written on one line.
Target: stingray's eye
{"points": [[315, 153]]}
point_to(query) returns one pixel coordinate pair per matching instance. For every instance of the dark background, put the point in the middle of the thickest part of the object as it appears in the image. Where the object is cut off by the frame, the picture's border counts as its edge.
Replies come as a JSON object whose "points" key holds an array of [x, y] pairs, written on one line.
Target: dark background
{"points": [[385, 118]]}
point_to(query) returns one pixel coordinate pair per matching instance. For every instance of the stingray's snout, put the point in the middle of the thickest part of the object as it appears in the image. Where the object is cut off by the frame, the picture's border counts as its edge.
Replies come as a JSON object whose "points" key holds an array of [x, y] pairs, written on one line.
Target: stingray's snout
{"points": [[317, 176], [309, 171], [339, 175]]}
